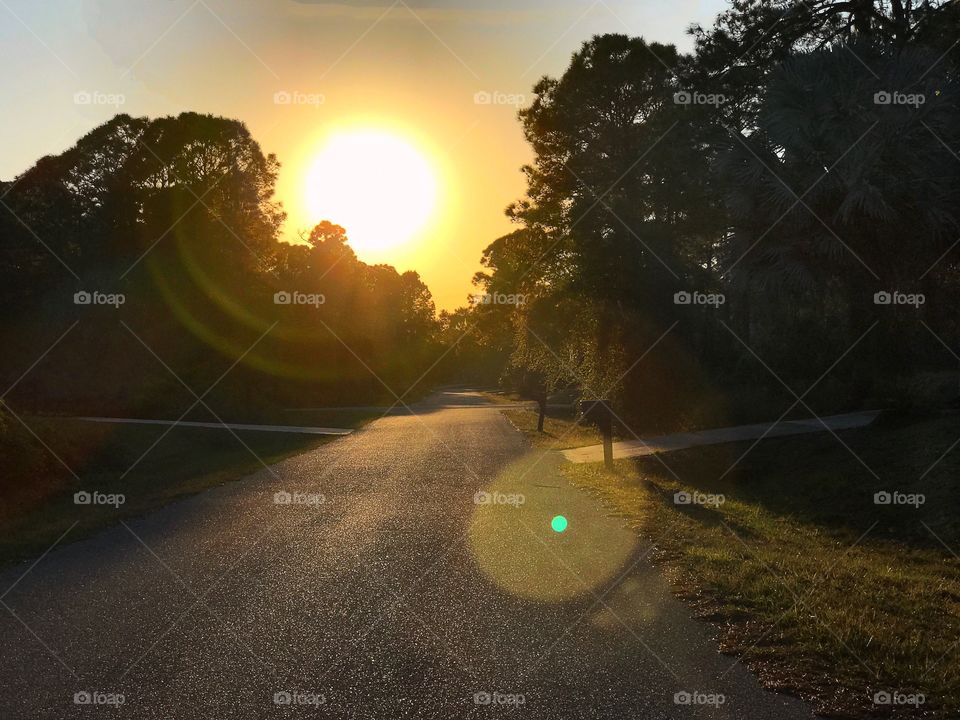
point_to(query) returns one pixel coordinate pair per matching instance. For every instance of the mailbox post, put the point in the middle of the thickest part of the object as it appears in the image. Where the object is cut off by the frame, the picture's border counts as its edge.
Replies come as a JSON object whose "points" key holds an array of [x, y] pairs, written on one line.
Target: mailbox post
{"points": [[598, 413]]}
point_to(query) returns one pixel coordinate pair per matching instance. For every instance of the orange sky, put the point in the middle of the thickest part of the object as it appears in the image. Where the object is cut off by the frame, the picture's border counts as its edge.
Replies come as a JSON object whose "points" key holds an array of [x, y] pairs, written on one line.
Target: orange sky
{"points": [[412, 67]]}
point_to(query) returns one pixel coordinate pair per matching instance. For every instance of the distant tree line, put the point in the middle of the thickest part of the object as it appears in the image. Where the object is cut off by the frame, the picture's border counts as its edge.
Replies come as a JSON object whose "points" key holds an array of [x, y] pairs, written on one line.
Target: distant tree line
{"points": [[160, 240], [707, 236]]}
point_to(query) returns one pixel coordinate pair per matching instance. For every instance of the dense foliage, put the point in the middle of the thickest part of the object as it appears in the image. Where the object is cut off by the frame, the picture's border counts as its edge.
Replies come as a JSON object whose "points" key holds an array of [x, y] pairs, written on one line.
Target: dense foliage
{"points": [[159, 239], [703, 234]]}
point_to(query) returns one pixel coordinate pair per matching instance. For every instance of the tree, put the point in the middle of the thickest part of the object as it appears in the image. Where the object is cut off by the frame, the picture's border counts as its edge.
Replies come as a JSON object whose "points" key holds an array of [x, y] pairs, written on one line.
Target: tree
{"points": [[808, 181], [617, 215], [178, 213], [871, 171], [753, 36]]}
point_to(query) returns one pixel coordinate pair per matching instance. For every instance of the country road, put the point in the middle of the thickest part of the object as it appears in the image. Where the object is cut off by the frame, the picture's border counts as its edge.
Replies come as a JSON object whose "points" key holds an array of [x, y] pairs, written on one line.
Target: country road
{"points": [[382, 590]]}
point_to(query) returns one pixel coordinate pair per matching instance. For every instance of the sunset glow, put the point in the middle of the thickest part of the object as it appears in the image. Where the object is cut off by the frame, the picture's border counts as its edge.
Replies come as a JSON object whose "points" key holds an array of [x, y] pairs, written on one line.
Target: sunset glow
{"points": [[375, 184]]}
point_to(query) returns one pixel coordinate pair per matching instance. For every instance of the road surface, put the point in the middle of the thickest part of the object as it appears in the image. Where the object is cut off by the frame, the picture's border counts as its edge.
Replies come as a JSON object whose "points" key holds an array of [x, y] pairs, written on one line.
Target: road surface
{"points": [[381, 585]]}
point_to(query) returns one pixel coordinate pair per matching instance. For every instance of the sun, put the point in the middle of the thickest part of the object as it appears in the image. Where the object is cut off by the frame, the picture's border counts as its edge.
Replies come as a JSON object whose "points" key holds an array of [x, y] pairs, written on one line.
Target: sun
{"points": [[375, 184]]}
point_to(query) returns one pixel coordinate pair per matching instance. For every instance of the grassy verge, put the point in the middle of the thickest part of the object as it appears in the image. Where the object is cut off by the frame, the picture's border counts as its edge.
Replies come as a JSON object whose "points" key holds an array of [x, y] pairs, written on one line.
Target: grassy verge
{"points": [[817, 588], [560, 427], [38, 490]]}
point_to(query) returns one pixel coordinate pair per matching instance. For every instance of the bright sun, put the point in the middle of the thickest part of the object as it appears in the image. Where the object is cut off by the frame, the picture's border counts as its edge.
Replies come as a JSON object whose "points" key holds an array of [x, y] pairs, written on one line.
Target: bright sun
{"points": [[376, 185]]}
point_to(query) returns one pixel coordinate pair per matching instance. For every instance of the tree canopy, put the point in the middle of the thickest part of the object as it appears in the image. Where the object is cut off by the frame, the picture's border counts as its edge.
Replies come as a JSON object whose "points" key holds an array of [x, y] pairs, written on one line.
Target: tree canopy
{"points": [[731, 204], [178, 215]]}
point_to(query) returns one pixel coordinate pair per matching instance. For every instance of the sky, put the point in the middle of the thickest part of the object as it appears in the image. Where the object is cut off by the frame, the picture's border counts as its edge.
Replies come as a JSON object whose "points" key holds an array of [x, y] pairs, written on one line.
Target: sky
{"points": [[443, 76]]}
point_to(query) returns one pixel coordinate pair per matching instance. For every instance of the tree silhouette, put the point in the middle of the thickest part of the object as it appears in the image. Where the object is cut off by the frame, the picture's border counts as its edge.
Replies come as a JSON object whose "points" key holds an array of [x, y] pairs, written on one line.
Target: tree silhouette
{"points": [[178, 213]]}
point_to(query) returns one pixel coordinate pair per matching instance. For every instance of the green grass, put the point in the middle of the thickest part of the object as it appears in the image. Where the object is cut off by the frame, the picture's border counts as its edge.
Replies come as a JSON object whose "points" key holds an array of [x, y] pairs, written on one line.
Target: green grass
{"points": [[37, 490], [817, 588]]}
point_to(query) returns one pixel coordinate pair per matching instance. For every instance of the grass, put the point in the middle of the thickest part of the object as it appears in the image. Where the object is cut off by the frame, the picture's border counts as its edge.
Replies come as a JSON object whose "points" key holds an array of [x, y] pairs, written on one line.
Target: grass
{"points": [[819, 590], [560, 427], [37, 489]]}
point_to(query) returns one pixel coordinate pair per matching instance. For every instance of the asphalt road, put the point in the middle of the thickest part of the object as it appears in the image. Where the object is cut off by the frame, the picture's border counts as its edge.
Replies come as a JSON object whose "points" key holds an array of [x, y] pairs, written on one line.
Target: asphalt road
{"points": [[381, 590]]}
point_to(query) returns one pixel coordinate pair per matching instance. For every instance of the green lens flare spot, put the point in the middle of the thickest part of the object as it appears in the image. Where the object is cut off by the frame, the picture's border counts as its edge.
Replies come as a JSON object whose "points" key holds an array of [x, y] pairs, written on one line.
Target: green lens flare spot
{"points": [[559, 523]]}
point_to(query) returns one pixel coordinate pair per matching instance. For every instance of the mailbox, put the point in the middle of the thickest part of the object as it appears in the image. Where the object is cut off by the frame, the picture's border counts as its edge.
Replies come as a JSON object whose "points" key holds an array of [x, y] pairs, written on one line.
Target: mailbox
{"points": [[597, 412]]}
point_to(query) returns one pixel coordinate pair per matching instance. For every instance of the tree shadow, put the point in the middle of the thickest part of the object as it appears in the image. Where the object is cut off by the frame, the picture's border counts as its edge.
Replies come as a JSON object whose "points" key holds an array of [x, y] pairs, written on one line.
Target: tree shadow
{"points": [[898, 478]]}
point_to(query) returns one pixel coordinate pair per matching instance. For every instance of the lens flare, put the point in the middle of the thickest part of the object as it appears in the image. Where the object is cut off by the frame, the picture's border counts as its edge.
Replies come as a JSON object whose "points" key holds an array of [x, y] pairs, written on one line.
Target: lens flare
{"points": [[513, 541]]}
